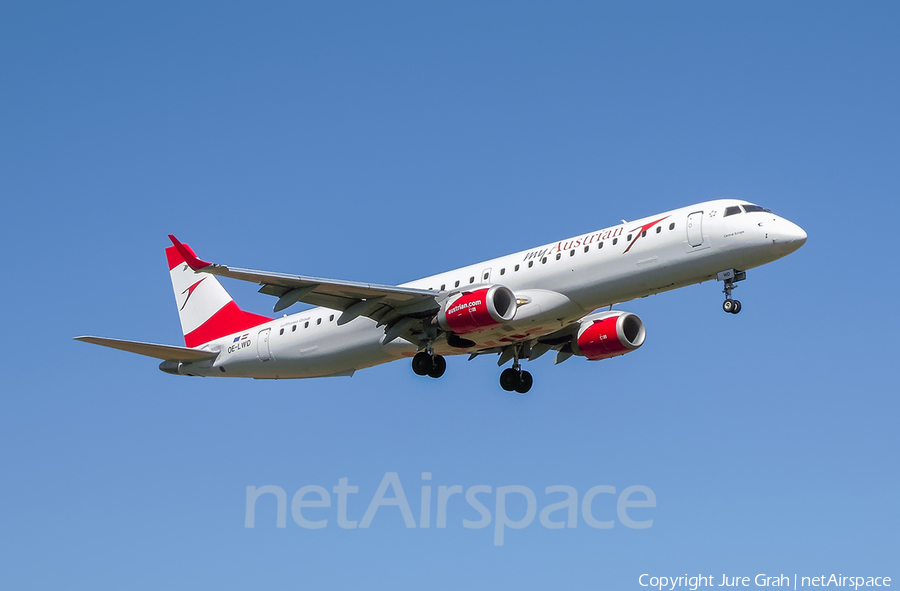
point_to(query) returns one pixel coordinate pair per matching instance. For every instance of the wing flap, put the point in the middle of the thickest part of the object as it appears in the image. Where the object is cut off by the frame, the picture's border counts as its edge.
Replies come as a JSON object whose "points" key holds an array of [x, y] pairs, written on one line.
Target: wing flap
{"points": [[278, 284], [164, 352]]}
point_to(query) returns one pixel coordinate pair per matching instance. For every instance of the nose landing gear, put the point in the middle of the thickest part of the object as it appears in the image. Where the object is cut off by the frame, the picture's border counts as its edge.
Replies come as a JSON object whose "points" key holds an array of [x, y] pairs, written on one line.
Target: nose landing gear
{"points": [[732, 306], [730, 277]]}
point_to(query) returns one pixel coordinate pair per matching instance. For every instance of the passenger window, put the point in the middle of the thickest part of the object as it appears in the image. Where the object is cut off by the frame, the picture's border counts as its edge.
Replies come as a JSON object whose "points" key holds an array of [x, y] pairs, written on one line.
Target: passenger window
{"points": [[544, 261], [572, 252], [472, 279], [587, 248], [658, 229], [644, 234], [502, 271], [530, 264], [294, 328], [456, 284], [615, 241], [558, 255], [672, 226], [281, 331], [733, 210], [516, 268], [443, 286], [599, 246], [318, 321], [331, 318], [306, 324], [629, 238]]}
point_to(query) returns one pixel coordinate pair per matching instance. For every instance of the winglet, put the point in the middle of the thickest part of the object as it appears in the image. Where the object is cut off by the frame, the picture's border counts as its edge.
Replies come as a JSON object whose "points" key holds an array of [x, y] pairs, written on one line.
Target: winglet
{"points": [[189, 257]]}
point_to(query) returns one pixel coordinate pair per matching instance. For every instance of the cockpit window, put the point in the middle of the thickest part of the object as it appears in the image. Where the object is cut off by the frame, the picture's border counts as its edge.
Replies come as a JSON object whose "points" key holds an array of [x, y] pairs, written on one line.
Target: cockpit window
{"points": [[733, 210], [752, 208]]}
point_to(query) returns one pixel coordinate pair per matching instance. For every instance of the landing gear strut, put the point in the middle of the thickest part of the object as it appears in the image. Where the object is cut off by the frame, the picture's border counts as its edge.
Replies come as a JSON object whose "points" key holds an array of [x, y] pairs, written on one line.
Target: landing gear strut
{"points": [[429, 364], [515, 378], [730, 277]]}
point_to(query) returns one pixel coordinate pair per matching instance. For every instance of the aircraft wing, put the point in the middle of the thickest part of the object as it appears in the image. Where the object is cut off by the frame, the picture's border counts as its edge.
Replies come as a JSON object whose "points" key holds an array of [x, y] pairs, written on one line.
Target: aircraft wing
{"points": [[164, 352], [383, 303]]}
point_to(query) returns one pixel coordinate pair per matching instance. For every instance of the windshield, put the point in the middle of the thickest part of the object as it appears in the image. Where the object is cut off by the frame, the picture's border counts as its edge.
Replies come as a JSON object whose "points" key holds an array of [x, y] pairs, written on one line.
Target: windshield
{"points": [[752, 208]]}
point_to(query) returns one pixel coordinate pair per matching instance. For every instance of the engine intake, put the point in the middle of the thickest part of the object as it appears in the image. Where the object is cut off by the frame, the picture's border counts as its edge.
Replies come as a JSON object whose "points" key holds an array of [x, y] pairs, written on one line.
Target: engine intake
{"points": [[611, 335], [478, 310]]}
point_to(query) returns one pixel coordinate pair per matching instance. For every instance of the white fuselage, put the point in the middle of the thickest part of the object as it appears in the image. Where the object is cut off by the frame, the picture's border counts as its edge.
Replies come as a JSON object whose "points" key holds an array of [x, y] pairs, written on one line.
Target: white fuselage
{"points": [[556, 284]]}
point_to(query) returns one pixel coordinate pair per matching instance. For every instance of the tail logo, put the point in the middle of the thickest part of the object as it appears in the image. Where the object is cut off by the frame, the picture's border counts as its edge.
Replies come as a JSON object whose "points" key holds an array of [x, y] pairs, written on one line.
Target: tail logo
{"points": [[190, 291]]}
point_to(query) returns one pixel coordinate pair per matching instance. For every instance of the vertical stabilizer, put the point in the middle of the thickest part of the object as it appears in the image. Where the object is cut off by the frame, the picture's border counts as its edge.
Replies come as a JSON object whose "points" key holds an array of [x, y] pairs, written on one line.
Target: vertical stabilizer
{"points": [[206, 310]]}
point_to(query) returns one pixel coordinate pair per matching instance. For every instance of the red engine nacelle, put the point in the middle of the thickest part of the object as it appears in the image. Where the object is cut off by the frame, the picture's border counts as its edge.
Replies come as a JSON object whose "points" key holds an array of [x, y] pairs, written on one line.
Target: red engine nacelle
{"points": [[478, 310], [610, 336]]}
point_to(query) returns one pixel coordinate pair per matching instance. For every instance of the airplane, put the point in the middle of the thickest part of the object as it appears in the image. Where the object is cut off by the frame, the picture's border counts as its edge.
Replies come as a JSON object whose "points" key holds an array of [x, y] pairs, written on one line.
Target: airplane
{"points": [[556, 297]]}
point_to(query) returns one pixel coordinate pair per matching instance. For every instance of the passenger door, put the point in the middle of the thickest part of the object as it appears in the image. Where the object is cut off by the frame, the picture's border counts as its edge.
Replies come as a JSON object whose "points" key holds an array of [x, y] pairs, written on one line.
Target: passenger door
{"points": [[695, 228]]}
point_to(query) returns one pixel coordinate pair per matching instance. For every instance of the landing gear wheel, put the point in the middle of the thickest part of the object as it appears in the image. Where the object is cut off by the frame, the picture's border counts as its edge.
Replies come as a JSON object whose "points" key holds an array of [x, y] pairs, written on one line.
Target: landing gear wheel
{"points": [[525, 383], [729, 306], [509, 379], [422, 363], [440, 366], [737, 307]]}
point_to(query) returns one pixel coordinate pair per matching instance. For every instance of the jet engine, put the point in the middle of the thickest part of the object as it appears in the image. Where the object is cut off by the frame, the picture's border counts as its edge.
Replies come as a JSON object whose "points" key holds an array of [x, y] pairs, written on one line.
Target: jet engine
{"points": [[609, 334], [477, 310]]}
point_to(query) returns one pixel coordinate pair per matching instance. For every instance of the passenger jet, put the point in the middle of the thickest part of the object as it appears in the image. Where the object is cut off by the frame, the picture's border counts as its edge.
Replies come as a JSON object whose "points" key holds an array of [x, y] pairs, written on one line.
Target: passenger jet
{"points": [[556, 297]]}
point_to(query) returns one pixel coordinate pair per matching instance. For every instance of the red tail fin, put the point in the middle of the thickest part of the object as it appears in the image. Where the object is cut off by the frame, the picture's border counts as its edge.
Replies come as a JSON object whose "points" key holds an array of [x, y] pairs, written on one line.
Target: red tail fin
{"points": [[206, 310]]}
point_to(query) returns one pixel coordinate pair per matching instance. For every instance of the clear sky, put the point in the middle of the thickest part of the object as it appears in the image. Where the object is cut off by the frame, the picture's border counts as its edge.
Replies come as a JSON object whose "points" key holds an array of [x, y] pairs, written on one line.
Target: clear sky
{"points": [[388, 141]]}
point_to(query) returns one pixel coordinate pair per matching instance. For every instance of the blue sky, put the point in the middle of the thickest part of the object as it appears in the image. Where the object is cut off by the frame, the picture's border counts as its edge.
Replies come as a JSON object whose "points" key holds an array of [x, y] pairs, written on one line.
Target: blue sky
{"points": [[388, 142]]}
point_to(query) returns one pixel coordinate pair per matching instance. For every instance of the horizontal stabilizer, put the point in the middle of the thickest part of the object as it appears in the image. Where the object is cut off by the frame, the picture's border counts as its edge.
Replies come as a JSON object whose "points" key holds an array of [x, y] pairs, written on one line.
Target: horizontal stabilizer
{"points": [[164, 352]]}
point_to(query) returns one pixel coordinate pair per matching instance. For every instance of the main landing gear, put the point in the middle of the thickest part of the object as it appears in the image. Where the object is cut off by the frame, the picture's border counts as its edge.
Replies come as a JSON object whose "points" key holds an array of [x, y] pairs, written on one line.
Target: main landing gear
{"points": [[512, 379], [515, 378], [426, 363], [730, 277]]}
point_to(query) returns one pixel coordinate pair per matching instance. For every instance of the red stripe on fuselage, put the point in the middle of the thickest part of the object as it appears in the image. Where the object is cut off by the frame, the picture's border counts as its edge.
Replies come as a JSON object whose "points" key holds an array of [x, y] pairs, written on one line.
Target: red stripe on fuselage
{"points": [[641, 230]]}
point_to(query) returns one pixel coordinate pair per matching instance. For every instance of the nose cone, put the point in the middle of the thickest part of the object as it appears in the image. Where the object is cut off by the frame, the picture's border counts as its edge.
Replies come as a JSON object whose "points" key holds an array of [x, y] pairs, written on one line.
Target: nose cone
{"points": [[794, 234], [787, 235]]}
